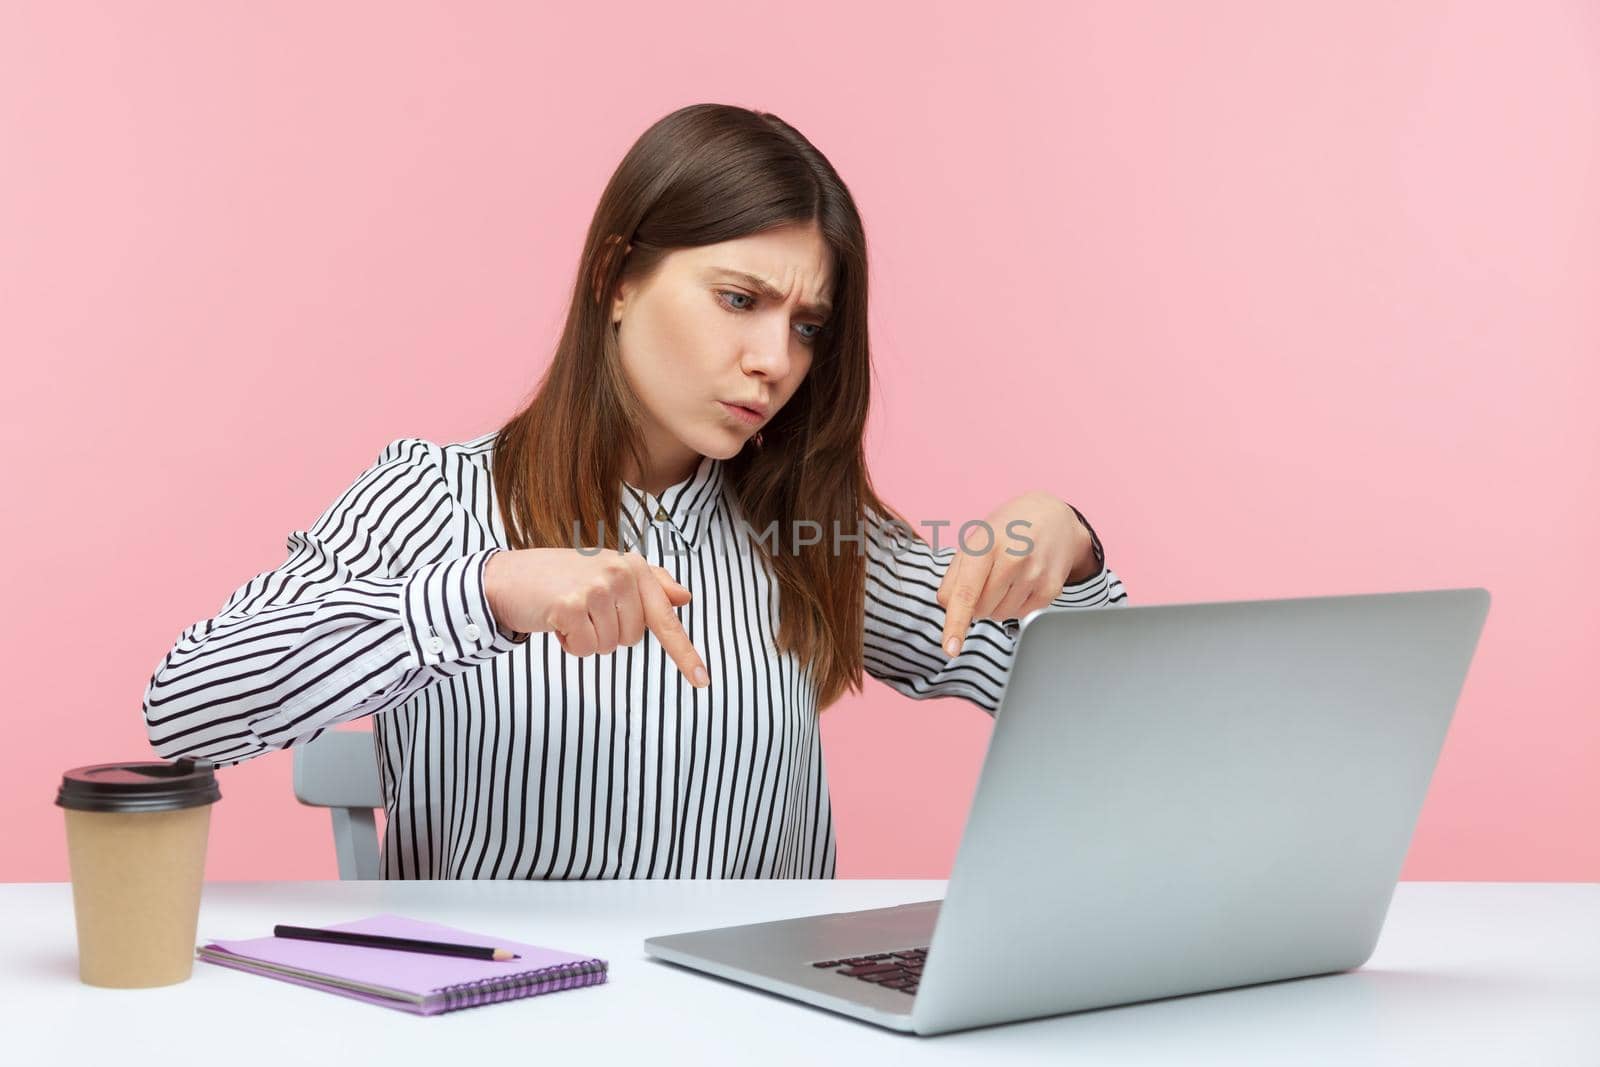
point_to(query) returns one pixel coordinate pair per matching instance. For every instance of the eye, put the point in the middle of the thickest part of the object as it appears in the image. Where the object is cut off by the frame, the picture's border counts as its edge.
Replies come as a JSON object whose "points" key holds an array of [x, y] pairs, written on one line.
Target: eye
{"points": [[808, 338]]}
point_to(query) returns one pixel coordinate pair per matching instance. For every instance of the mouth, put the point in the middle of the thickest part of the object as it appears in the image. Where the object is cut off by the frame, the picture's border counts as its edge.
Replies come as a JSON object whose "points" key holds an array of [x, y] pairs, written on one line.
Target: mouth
{"points": [[748, 415]]}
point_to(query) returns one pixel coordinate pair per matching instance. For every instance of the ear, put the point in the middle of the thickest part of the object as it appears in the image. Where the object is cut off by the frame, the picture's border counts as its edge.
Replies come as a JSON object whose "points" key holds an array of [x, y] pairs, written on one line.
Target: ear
{"points": [[620, 301]]}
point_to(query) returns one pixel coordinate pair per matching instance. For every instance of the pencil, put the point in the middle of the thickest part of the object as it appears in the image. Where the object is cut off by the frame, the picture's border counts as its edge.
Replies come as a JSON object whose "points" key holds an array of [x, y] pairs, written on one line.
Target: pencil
{"points": [[402, 944]]}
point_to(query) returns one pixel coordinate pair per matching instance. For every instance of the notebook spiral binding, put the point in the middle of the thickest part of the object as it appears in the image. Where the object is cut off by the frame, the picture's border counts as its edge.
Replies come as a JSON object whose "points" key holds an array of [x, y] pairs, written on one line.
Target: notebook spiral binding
{"points": [[524, 984]]}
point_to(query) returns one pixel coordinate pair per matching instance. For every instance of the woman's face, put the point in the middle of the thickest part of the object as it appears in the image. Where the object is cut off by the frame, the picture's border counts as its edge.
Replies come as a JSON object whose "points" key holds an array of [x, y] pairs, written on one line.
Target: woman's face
{"points": [[700, 340]]}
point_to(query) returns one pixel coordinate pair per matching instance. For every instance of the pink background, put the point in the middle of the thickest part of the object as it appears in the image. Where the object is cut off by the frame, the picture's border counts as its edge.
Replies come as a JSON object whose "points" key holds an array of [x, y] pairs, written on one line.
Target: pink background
{"points": [[1290, 299]]}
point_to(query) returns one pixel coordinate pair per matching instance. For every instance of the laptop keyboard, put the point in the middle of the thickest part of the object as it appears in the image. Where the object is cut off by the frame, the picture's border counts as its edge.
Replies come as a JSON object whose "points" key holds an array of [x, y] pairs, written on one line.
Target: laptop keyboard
{"points": [[894, 970]]}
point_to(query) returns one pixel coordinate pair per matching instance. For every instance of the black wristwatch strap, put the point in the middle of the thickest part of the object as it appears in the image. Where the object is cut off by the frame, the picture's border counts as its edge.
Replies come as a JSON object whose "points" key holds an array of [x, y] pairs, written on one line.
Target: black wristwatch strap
{"points": [[1094, 539]]}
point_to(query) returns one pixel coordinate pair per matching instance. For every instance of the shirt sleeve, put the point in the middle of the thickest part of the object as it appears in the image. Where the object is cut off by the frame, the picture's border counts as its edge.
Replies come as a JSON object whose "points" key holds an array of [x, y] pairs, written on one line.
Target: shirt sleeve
{"points": [[373, 604], [905, 623]]}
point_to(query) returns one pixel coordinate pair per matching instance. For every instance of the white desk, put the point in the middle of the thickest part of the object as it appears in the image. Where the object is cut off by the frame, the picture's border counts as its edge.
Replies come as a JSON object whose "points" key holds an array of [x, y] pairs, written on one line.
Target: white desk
{"points": [[1465, 973]]}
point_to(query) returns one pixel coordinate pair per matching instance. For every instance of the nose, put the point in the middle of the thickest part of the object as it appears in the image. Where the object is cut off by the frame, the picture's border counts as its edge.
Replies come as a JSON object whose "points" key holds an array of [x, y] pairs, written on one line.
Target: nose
{"points": [[768, 354]]}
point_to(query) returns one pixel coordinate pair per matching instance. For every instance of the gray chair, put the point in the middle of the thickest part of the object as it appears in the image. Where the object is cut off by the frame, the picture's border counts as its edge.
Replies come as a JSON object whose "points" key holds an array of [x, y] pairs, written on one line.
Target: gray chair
{"points": [[339, 771]]}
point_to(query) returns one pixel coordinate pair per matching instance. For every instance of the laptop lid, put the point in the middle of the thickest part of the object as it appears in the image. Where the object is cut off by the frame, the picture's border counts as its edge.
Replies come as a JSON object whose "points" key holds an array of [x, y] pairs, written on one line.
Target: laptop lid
{"points": [[1185, 797]]}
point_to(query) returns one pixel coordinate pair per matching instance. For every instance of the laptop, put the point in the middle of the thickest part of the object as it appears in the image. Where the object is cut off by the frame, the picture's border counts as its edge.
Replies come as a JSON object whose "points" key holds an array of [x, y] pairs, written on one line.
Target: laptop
{"points": [[1176, 798]]}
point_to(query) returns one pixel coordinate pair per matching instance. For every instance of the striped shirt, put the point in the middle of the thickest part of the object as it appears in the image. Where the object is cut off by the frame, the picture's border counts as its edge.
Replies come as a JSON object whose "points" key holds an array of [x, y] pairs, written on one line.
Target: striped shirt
{"points": [[501, 755]]}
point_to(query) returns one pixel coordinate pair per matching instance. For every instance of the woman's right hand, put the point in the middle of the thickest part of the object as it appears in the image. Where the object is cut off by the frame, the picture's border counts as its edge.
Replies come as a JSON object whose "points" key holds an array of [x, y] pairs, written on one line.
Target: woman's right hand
{"points": [[594, 603]]}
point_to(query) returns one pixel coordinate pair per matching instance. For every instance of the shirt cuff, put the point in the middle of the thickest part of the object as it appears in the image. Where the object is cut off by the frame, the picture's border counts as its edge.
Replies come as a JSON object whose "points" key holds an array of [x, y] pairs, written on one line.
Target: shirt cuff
{"points": [[446, 612]]}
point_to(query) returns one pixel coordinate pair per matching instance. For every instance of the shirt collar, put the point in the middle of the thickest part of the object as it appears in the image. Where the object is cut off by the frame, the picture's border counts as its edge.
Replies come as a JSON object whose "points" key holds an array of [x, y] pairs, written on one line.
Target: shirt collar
{"points": [[686, 506]]}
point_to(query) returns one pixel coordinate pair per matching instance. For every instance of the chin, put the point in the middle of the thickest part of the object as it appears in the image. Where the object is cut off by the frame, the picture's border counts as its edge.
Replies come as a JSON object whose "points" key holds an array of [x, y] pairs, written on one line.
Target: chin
{"points": [[720, 443], [726, 448]]}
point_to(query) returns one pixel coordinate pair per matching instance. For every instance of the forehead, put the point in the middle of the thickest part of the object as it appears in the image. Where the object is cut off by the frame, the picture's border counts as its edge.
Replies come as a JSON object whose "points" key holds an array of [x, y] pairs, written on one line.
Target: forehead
{"points": [[792, 258]]}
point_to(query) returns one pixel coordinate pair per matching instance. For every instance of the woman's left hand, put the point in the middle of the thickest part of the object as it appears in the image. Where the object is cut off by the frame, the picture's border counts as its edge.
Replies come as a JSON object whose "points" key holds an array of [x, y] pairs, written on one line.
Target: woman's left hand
{"points": [[1012, 578]]}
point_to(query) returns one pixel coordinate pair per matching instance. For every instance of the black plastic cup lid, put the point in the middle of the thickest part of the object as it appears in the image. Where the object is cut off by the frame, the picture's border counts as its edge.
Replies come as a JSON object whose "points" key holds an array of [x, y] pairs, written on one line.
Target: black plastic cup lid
{"points": [[138, 787]]}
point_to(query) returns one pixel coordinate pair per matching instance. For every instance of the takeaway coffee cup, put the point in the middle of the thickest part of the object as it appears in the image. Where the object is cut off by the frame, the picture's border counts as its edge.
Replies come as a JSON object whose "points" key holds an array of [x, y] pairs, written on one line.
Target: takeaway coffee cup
{"points": [[136, 842]]}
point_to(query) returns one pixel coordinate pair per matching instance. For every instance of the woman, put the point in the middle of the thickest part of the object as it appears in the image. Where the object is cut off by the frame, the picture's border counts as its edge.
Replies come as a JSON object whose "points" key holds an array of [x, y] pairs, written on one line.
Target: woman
{"points": [[691, 465]]}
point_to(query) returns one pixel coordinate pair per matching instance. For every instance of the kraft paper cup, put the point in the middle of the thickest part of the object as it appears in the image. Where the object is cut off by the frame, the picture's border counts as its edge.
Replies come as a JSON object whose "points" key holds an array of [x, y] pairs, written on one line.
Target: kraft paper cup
{"points": [[136, 842]]}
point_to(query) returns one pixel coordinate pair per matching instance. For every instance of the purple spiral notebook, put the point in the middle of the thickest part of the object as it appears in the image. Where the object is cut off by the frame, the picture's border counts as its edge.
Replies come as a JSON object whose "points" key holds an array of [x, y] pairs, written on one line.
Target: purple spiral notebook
{"points": [[418, 982]]}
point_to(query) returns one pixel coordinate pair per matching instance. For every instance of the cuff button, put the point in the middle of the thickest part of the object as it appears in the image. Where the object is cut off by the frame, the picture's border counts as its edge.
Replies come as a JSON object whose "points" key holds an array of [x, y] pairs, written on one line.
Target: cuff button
{"points": [[435, 644], [472, 631]]}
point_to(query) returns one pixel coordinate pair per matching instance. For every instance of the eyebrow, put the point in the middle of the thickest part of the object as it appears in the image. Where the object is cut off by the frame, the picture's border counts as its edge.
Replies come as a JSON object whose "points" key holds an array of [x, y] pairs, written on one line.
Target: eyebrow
{"points": [[768, 290]]}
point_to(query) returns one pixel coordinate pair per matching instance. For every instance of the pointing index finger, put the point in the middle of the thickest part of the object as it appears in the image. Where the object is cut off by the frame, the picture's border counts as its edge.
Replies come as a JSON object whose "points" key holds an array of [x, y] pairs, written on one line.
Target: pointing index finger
{"points": [[963, 597], [658, 615]]}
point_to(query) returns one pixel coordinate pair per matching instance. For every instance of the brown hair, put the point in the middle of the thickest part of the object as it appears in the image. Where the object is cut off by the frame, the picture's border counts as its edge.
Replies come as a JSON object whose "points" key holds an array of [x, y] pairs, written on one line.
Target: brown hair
{"points": [[704, 174]]}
